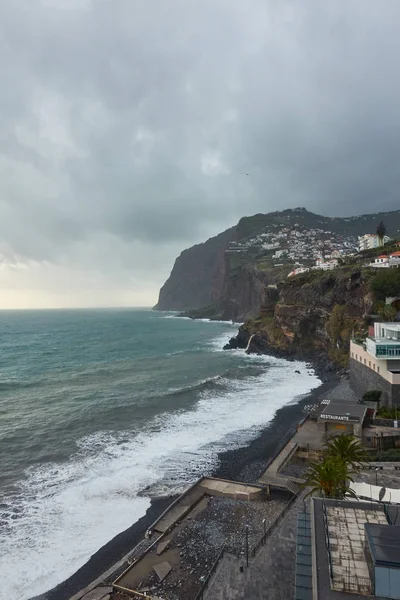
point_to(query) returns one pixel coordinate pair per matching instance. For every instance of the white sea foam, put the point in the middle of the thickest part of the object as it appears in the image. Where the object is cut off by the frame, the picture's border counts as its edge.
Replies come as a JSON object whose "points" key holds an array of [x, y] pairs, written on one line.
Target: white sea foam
{"points": [[68, 511], [225, 322]]}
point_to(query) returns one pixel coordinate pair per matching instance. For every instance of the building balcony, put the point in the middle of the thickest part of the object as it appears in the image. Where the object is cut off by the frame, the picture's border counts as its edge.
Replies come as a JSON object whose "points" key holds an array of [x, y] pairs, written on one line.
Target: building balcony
{"points": [[383, 348]]}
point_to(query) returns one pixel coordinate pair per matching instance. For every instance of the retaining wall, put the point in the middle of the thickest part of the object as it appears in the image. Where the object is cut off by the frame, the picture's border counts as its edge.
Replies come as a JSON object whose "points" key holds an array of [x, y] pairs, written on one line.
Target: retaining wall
{"points": [[362, 379]]}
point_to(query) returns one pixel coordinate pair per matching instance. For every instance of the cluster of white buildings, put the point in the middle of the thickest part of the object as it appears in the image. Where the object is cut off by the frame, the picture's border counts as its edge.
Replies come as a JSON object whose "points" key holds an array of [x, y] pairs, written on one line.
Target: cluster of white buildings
{"points": [[321, 263], [302, 247], [298, 244]]}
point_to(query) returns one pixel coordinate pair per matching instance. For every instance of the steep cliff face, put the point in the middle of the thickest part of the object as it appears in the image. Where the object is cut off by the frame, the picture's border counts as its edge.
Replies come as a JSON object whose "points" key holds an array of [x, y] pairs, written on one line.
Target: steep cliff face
{"points": [[198, 275], [306, 307], [243, 293], [247, 289]]}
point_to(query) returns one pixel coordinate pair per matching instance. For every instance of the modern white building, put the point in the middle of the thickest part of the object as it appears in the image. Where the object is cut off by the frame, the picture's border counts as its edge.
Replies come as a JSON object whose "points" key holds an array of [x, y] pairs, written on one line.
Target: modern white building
{"points": [[375, 363], [370, 241], [385, 343]]}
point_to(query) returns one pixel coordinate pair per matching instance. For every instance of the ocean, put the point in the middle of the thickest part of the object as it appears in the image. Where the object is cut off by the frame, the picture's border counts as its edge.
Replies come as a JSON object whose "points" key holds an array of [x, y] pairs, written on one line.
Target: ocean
{"points": [[101, 410]]}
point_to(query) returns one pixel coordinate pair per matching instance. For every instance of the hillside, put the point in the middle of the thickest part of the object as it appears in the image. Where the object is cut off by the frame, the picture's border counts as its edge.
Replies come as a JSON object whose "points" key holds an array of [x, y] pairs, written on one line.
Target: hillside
{"points": [[314, 314], [228, 276]]}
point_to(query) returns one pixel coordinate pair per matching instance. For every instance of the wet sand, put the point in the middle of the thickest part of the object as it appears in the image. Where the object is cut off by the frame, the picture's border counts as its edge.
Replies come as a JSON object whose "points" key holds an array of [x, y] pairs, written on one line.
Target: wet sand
{"points": [[243, 464]]}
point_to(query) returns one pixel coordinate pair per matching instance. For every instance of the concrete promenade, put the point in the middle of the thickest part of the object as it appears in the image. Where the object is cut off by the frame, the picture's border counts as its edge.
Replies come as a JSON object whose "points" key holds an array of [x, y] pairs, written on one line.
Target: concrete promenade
{"points": [[270, 574], [271, 475]]}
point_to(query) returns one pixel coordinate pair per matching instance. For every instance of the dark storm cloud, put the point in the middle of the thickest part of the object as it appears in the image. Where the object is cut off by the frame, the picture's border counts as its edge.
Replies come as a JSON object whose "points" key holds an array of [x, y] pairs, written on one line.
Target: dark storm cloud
{"points": [[127, 127]]}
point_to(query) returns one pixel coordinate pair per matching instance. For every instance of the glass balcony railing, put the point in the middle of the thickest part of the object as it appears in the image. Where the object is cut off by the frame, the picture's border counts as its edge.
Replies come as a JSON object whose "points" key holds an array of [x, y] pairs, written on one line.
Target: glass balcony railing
{"points": [[387, 350]]}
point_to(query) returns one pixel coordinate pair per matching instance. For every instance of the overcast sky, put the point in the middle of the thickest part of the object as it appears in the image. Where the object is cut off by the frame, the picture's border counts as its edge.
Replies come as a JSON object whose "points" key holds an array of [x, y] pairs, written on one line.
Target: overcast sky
{"points": [[127, 127]]}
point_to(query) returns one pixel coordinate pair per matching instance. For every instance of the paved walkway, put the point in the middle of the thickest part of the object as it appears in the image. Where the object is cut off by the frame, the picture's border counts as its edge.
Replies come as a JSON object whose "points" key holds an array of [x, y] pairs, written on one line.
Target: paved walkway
{"points": [[271, 475], [270, 575]]}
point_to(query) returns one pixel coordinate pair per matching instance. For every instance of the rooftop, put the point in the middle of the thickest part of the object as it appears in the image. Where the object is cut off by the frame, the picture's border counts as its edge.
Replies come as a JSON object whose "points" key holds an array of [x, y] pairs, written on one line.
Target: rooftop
{"points": [[384, 543], [339, 536], [344, 410], [185, 541]]}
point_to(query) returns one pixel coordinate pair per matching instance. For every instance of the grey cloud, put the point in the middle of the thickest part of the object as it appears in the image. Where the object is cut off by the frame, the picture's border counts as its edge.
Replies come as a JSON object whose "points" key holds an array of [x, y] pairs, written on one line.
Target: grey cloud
{"points": [[127, 127]]}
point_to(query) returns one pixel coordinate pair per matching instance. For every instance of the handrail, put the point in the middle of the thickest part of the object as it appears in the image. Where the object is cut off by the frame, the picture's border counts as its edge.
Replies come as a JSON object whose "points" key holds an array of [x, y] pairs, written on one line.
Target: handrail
{"points": [[285, 440], [327, 541], [273, 526], [199, 595]]}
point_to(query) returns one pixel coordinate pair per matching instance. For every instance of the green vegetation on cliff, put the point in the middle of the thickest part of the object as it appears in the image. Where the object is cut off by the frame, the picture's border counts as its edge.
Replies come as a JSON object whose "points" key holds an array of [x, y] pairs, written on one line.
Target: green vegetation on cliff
{"points": [[316, 311], [321, 310], [386, 283]]}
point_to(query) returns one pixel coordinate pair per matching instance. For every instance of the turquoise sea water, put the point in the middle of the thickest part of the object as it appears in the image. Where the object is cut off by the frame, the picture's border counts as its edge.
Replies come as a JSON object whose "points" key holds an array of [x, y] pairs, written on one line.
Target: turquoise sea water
{"points": [[98, 405]]}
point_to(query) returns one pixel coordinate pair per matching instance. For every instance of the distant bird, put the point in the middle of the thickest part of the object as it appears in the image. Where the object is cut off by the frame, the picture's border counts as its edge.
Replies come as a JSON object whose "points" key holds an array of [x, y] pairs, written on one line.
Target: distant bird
{"points": [[246, 173]]}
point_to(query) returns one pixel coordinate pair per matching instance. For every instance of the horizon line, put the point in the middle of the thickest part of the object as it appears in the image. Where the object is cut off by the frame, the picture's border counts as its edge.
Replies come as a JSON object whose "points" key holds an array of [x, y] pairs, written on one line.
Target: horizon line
{"points": [[39, 308]]}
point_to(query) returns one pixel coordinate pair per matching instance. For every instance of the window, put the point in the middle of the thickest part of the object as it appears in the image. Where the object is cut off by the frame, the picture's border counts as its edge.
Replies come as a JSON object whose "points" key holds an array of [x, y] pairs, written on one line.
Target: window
{"points": [[356, 356], [374, 366], [383, 332], [388, 350], [360, 358], [369, 364], [377, 368], [365, 361], [352, 355]]}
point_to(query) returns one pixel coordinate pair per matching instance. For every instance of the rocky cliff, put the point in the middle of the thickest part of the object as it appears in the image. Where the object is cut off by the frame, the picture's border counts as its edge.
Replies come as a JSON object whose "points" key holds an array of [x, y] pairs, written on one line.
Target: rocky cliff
{"points": [[312, 315], [219, 280], [237, 276], [198, 275]]}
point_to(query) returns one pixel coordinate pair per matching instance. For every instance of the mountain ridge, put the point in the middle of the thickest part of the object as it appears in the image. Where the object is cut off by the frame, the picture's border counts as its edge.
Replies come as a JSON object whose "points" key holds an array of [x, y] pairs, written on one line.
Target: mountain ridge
{"points": [[228, 275]]}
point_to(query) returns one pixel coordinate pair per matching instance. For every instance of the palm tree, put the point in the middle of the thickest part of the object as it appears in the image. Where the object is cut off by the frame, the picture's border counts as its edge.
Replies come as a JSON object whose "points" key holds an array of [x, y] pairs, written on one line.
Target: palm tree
{"points": [[331, 478], [381, 232], [348, 449]]}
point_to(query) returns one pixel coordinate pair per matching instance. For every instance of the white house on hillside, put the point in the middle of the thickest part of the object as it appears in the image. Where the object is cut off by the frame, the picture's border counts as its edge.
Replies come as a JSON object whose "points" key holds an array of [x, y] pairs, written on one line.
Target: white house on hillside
{"points": [[381, 261], [393, 260]]}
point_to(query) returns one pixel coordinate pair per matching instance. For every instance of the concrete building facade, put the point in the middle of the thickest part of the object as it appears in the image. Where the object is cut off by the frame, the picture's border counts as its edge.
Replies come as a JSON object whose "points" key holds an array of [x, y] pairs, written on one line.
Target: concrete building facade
{"points": [[375, 363], [370, 241]]}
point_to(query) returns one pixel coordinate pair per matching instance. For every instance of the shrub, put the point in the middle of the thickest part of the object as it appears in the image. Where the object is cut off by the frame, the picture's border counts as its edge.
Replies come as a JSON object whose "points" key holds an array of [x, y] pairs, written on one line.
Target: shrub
{"points": [[372, 396], [393, 454], [386, 283], [385, 412]]}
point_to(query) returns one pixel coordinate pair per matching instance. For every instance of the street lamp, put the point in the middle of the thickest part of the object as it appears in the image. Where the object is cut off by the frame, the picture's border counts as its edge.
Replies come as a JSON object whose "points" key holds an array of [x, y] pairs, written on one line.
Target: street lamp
{"points": [[247, 545], [376, 475]]}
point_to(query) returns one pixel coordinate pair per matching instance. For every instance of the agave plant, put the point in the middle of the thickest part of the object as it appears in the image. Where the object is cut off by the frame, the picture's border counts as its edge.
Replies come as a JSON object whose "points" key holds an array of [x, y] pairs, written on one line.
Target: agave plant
{"points": [[331, 477], [348, 449]]}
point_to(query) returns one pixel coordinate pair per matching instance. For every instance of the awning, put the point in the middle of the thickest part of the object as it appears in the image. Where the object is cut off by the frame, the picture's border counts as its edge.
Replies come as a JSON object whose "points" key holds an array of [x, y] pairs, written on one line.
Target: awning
{"points": [[376, 492]]}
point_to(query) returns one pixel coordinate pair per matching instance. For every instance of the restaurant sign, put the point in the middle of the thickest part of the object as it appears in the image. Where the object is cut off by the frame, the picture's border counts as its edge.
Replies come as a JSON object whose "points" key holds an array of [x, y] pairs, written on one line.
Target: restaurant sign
{"points": [[339, 418]]}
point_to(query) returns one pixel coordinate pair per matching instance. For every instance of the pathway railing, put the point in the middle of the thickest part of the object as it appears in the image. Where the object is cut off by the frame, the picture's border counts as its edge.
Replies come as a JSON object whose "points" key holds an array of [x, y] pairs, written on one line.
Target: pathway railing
{"points": [[327, 541], [273, 526], [200, 594]]}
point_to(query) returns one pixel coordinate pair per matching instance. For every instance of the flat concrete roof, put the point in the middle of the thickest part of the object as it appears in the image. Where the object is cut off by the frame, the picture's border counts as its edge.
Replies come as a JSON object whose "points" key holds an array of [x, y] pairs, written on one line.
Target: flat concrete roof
{"points": [[345, 521], [342, 410], [168, 558]]}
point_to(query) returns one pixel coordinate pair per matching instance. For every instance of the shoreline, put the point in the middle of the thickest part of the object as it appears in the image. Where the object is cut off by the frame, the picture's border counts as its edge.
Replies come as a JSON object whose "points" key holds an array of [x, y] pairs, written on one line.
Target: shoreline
{"points": [[241, 464]]}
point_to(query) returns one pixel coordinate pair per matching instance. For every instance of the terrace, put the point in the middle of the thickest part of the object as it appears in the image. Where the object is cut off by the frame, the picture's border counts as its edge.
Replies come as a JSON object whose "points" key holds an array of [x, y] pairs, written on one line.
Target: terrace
{"points": [[339, 535], [385, 343]]}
